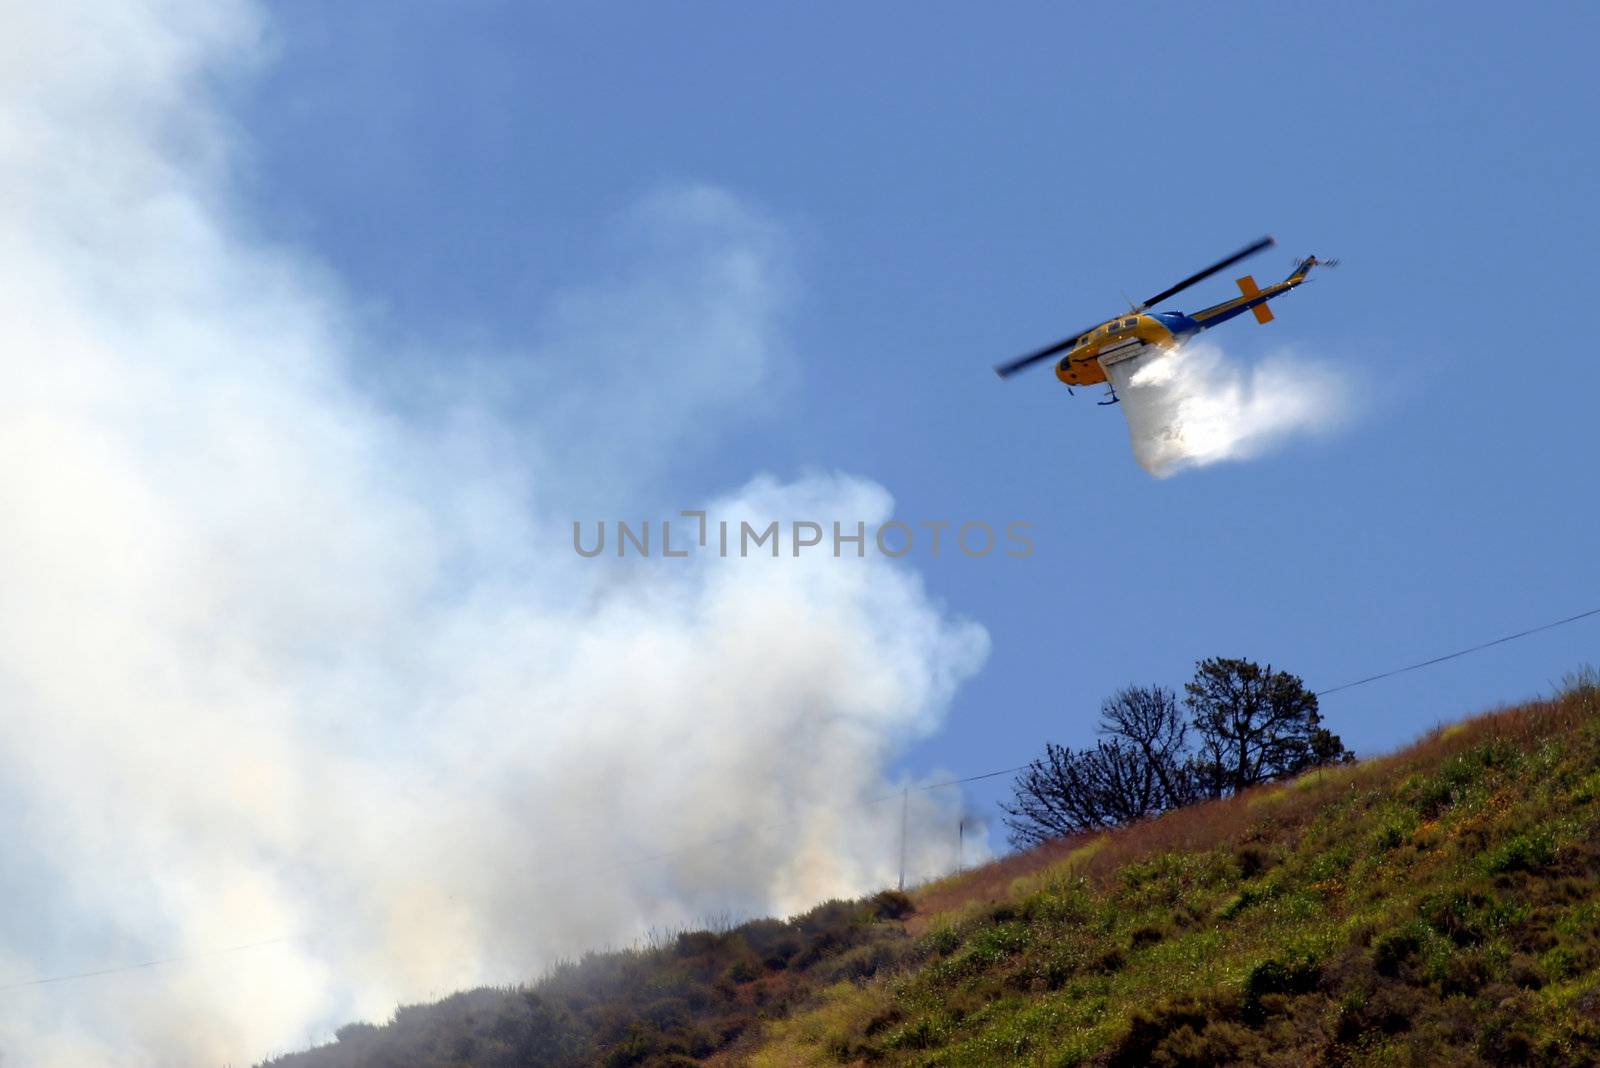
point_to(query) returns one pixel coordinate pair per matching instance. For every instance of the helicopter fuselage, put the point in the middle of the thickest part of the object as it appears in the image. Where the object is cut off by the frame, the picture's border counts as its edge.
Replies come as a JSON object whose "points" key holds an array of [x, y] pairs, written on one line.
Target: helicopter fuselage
{"points": [[1128, 335]]}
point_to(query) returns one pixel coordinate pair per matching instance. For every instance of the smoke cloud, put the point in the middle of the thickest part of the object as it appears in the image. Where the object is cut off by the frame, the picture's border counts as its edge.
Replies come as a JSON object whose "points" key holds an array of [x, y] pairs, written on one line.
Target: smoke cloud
{"points": [[1194, 407], [282, 660]]}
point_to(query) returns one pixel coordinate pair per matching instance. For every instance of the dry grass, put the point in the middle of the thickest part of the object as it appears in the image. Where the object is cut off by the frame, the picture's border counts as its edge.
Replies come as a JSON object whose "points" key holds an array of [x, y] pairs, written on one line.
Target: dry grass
{"points": [[1257, 814]]}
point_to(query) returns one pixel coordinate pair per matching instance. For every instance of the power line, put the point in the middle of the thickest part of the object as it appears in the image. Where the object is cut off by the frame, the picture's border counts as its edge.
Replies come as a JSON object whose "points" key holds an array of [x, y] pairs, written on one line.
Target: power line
{"points": [[1345, 685], [974, 778], [146, 964], [1460, 652]]}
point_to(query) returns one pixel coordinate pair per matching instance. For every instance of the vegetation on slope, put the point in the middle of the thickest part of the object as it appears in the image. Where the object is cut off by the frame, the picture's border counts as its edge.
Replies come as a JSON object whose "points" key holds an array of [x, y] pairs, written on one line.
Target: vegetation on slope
{"points": [[671, 1004], [1439, 906]]}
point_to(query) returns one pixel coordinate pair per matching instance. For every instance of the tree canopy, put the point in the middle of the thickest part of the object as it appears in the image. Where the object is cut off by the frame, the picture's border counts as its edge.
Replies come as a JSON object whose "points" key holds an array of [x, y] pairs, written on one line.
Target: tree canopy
{"points": [[1248, 724]]}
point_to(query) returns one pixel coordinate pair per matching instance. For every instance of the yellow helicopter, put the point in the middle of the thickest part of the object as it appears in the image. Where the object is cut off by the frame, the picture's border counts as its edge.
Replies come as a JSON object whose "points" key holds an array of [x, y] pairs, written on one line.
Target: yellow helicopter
{"points": [[1090, 352]]}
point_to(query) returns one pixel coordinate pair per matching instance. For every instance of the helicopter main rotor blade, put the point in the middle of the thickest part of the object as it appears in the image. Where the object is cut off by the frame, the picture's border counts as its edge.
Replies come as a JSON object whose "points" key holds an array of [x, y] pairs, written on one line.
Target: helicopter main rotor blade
{"points": [[1221, 265], [1011, 367]]}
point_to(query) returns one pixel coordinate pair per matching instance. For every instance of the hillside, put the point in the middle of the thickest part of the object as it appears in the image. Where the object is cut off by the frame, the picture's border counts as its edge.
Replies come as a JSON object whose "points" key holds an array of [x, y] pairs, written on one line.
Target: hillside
{"points": [[1437, 906]]}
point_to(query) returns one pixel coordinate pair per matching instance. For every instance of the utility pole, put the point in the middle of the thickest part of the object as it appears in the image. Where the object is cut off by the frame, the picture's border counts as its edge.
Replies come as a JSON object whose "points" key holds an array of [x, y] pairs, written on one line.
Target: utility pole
{"points": [[905, 811], [961, 844]]}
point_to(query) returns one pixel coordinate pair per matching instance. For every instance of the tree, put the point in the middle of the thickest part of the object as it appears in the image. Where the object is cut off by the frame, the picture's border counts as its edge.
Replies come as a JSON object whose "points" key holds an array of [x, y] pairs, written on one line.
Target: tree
{"points": [[1252, 724], [1255, 724], [1139, 770], [1067, 791], [1148, 718]]}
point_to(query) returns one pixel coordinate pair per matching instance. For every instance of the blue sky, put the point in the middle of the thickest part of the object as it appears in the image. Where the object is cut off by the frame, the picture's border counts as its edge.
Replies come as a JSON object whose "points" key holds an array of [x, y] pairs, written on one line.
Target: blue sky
{"points": [[965, 188]]}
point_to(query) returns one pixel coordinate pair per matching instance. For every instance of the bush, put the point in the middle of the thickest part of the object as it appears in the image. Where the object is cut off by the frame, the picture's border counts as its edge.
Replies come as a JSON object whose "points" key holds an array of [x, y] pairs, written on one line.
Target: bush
{"points": [[1460, 772], [1388, 837], [1464, 973], [1398, 824], [1388, 1010], [743, 970], [890, 905], [695, 943], [1191, 1031], [1251, 860], [1297, 975], [355, 1032], [1525, 852], [1581, 681], [920, 1035], [1392, 949], [1145, 935], [942, 941], [1056, 970], [1110, 962], [667, 1013], [1249, 897], [1467, 919], [864, 962]]}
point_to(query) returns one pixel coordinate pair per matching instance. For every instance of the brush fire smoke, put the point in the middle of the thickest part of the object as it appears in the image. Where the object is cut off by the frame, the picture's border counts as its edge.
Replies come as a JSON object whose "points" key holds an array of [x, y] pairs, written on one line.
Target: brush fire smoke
{"points": [[280, 661], [1194, 407]]}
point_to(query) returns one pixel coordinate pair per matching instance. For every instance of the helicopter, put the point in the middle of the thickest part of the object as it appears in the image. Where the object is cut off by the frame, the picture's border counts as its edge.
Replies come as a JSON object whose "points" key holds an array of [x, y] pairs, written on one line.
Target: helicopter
{"points": [[1091, 352]]}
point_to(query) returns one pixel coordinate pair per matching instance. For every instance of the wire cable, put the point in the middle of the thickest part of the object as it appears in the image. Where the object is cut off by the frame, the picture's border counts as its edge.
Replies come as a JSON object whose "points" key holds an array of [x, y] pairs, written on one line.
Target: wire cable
{"points": [[974, 778], [1460, 652], [146, 964]]}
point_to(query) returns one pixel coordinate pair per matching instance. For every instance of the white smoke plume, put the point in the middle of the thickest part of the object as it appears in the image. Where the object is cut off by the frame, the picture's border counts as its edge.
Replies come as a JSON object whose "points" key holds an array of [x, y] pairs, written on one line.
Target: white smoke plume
{"points": [[277, 661], [1193, 407]]}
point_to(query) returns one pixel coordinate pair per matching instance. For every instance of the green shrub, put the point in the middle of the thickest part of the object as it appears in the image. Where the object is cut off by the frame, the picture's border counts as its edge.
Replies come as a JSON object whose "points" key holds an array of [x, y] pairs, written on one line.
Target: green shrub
{"points": [[1442, 790], [1561, 962], [1496, 754], [1296, 975], [864, 961], [743, 970], [1459, 773], [1191, 1031], [1056, 969], [1389, 837], [942, 941], [1466, 918], [1525, 852], [1249, 897], [919, 1035]]}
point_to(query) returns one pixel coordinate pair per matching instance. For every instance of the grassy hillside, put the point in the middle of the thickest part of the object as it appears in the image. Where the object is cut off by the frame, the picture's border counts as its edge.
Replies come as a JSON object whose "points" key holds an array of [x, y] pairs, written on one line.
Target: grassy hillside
{"points": [[1438, 906]]}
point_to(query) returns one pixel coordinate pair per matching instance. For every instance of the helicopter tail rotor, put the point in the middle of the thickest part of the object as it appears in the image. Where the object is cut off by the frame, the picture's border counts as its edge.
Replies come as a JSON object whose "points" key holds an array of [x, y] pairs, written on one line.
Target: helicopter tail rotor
{"points": [[1309, 262]]}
